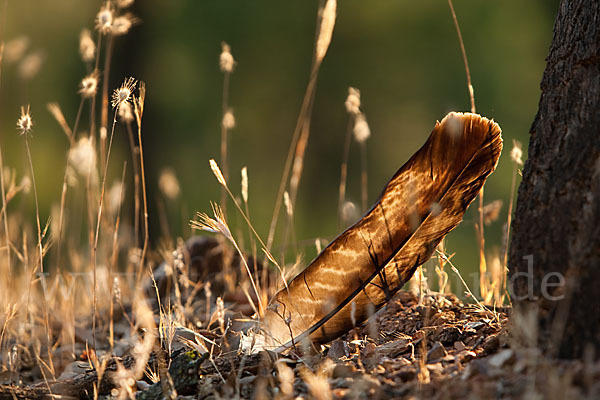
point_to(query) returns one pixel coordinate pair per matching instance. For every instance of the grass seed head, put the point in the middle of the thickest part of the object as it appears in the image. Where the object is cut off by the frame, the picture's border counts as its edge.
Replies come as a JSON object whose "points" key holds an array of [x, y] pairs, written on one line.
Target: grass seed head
{"points": [[217, 171], [361, 128], [168, 184], [58, 115], [82, 157], [25, 184], [122, 24], [226, 61], [326, 31], [31, 65], [218, 224], [87, 47], [124, 3], [353, 101], [229, 119], [288, 204], [115, 197], [25, 123], [126, 112], [516, 153], [245, 184], [15, 49]]}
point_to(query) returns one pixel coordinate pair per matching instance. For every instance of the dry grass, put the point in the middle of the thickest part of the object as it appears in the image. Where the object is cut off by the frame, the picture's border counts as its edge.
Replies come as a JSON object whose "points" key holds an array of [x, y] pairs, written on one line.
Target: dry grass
{"points": [[75, 289]]}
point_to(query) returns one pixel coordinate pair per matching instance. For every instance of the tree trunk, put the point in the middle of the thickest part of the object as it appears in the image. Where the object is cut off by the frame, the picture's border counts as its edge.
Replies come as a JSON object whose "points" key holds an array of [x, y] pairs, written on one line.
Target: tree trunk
{"points": [[555, 249]]}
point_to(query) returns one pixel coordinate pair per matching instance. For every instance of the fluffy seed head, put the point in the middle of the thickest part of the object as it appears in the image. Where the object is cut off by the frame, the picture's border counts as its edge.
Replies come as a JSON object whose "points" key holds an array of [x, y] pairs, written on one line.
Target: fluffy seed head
{"points": [[124, 3], [353, 101], [168, 184], [89, 85], [25, 184], [516, 153], [123, 93], [122, 24], [126, 112], [349, 212], [491, 211], [87, 47], [31, 65], [226, 61], [15, 49], [361, 128], [104, 19], [24, 123], [115, 197], [82, 157], [228, 119]]}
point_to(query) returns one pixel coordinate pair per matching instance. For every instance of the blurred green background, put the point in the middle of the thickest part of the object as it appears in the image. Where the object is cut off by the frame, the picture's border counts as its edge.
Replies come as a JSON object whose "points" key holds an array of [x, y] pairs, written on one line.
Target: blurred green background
{"points": [[404, 56]]}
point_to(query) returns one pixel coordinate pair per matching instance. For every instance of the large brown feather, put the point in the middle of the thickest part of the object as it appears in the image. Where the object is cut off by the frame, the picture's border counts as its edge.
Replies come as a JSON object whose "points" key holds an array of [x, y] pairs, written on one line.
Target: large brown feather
{"points": [[370, 261]]}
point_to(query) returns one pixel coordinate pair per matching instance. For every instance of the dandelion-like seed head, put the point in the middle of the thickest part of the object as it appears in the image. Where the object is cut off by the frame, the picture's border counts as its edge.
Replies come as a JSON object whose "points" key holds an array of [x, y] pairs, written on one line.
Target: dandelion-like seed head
{"points": [[123, 93], [25, 123], [228, 119], [361, 128], [89, 85], [226, 61], [353, 101], [516, 153], [104, 19], [124, 3], [122, 24], [87, 47]]}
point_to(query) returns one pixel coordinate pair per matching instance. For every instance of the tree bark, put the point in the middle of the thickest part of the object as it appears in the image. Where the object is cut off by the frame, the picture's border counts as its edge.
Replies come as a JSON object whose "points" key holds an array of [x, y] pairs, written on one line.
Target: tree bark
{"points": [[556, 231]]}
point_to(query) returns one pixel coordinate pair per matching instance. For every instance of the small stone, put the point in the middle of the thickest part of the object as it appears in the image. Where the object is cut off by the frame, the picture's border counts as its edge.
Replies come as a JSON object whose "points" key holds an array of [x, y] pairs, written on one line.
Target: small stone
{"points": [[502, 358], [141, 385], [466, 356], [73, 369], [473, 325], [338, 349], [459, 345], [343, 371], [436, 353], [491, 344]]}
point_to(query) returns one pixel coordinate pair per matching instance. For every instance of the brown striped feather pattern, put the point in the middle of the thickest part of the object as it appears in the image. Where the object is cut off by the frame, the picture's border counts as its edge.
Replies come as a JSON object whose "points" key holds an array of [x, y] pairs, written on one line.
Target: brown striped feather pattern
{"points": [[370, 261]]}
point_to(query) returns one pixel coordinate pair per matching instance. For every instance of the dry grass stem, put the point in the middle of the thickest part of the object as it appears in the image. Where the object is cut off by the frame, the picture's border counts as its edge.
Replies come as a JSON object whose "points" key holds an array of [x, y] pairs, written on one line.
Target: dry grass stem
{"points": [[5, 218], [218, 224], [326, 23]]}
